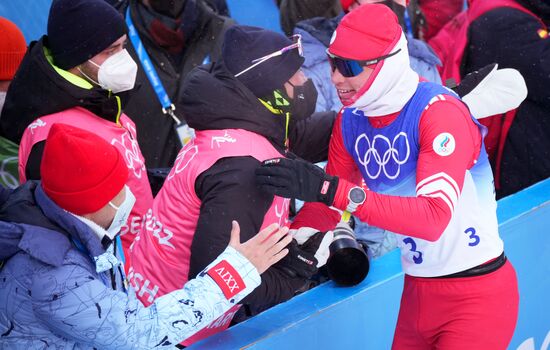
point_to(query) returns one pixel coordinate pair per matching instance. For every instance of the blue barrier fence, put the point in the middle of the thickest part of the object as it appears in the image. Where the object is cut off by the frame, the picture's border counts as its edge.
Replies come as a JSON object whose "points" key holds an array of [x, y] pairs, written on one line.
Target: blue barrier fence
{"points": [[364, 317], [259, 13], [32, 16]]}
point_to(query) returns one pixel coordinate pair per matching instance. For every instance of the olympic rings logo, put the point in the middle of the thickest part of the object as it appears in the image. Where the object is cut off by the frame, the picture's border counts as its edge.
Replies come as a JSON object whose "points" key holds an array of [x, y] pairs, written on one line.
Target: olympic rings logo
{"points": [[372, 154]]}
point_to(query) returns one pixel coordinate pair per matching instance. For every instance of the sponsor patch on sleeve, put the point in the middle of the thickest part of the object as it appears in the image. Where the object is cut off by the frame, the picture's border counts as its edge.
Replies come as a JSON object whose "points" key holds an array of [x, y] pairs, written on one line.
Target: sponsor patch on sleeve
{"points": [[227, 278], [324, 188], [444, 144]]}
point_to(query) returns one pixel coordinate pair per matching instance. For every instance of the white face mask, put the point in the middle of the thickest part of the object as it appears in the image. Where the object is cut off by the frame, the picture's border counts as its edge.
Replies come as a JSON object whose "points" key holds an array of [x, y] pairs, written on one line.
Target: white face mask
{"points": [[117, 73], [122, 214]]}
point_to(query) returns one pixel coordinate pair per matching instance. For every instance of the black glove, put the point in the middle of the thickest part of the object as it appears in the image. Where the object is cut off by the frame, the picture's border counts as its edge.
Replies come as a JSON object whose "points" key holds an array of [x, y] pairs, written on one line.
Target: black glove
{"points": [[296, 178], [300, 260], [472, 80]]}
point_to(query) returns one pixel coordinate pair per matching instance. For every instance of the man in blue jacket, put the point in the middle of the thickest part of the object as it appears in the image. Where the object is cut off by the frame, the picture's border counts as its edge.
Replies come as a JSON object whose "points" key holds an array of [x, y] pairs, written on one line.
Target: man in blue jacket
{"points": [[61, 282]]}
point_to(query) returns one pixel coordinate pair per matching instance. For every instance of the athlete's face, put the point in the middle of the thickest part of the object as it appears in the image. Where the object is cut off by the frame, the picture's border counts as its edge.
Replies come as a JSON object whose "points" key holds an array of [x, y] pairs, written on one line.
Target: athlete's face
{"points": [[348, 87]]}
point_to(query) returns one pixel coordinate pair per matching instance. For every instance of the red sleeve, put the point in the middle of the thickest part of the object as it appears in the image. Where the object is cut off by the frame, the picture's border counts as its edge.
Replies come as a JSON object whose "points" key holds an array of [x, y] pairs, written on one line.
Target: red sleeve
{"points": [[449, 144], [341, 164]]}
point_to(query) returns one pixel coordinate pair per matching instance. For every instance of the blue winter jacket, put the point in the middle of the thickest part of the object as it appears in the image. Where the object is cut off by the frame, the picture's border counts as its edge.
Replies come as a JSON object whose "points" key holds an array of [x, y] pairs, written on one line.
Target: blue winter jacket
{"points": [[316, 34], [55, 293]]}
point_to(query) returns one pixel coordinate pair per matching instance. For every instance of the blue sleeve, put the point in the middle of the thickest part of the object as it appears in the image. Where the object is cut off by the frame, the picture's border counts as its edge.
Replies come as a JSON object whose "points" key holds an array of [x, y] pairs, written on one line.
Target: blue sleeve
{"points": [[76, 305]]}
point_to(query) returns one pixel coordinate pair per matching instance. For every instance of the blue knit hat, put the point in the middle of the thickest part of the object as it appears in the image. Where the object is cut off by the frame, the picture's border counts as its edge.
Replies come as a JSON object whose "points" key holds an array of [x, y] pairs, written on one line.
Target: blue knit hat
{"points": [[80, 29], [243, 44]]}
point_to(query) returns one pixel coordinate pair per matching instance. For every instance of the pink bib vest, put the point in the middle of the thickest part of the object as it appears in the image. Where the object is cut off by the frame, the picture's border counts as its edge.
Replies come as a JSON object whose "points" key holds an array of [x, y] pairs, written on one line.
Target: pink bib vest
{"points": [[122, 136], [161, 253]]}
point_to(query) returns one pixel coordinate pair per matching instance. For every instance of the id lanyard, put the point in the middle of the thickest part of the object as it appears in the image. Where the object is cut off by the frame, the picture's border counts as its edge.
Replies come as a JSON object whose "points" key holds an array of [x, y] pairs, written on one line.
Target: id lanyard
{"points": [[184, 132], [408, 23]]}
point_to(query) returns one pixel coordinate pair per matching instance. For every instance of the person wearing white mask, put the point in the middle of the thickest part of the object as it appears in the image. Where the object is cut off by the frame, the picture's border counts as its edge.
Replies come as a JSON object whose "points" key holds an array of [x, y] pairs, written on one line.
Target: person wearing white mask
{"points": [[78, 74], [62, 283]]}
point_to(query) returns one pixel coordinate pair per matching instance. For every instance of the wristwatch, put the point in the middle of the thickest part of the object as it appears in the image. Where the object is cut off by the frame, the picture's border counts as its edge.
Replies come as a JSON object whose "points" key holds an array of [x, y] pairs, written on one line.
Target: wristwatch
{"points": [[356, 197]]}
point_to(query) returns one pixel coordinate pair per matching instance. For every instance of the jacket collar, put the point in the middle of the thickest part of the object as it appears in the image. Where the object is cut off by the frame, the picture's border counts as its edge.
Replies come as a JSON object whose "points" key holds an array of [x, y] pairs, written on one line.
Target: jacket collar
{"points": [[43, 244], [76, 228], [43, 230]]}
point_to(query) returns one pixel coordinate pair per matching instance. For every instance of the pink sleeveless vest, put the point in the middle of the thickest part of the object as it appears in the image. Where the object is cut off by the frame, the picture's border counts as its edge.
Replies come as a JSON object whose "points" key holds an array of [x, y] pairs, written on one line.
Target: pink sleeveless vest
{"points": [[122, 136], [161, 253]]}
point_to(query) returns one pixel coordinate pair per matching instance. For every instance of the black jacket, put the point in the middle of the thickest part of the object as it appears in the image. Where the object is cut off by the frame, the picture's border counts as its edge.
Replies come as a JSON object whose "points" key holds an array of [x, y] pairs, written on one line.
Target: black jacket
{"points": [[213, 99], [509, 37], [38, 90], [155, 130]]}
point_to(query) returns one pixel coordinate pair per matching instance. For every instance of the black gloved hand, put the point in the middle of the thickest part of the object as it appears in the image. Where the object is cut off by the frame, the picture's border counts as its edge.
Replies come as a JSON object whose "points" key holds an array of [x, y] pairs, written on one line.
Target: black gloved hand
{"points": [[472, 80], [296, 178], [300, 260]]}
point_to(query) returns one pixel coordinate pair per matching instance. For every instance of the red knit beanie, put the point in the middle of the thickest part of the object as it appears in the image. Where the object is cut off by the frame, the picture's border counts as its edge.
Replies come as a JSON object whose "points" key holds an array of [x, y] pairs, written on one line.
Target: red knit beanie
{"points": [[81, 172], [368, 32], [347, 3], [12, 48]]}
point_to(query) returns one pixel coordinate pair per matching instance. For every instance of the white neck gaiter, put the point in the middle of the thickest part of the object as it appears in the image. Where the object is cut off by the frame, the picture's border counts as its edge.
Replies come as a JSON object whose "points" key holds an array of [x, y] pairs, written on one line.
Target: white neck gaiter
{"points": [[392, 88]]}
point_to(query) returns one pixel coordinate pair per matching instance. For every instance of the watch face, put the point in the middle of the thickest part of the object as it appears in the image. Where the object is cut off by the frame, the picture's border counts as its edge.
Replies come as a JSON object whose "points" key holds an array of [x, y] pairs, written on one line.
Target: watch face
{"points": [[357, 195]]}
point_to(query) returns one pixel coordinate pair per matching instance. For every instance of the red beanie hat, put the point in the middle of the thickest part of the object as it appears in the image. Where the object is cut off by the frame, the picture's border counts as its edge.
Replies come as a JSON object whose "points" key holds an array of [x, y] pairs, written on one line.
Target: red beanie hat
{"points": [[347, 3], [81, 172], [12, 48], [368, 32]]}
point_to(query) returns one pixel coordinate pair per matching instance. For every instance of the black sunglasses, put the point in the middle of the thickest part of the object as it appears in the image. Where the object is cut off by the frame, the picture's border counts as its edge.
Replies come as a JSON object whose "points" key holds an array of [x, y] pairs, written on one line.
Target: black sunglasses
{"points": [[352, 68]]}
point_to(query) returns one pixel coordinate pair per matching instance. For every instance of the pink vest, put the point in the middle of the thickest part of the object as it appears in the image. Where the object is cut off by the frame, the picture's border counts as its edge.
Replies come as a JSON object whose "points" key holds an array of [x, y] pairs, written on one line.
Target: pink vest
{"points": [[122, 136], [161, 253]]}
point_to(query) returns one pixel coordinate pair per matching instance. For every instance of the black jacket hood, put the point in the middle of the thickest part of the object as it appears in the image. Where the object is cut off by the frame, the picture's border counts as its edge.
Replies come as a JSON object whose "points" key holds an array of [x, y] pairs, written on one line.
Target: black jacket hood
{"points": [[30, 221], [19, 214], [540, 8], [37, 90], [20, 207], [213, 99]]}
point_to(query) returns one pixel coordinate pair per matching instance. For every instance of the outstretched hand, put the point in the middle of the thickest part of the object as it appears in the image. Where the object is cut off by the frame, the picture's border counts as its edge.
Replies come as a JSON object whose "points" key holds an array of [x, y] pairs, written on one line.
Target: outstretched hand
{"points": [[264, 249]]}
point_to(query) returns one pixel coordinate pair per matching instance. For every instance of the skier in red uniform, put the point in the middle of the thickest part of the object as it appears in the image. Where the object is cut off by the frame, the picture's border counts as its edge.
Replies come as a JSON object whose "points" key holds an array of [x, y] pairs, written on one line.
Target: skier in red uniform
{"points": [[420, 154]]}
